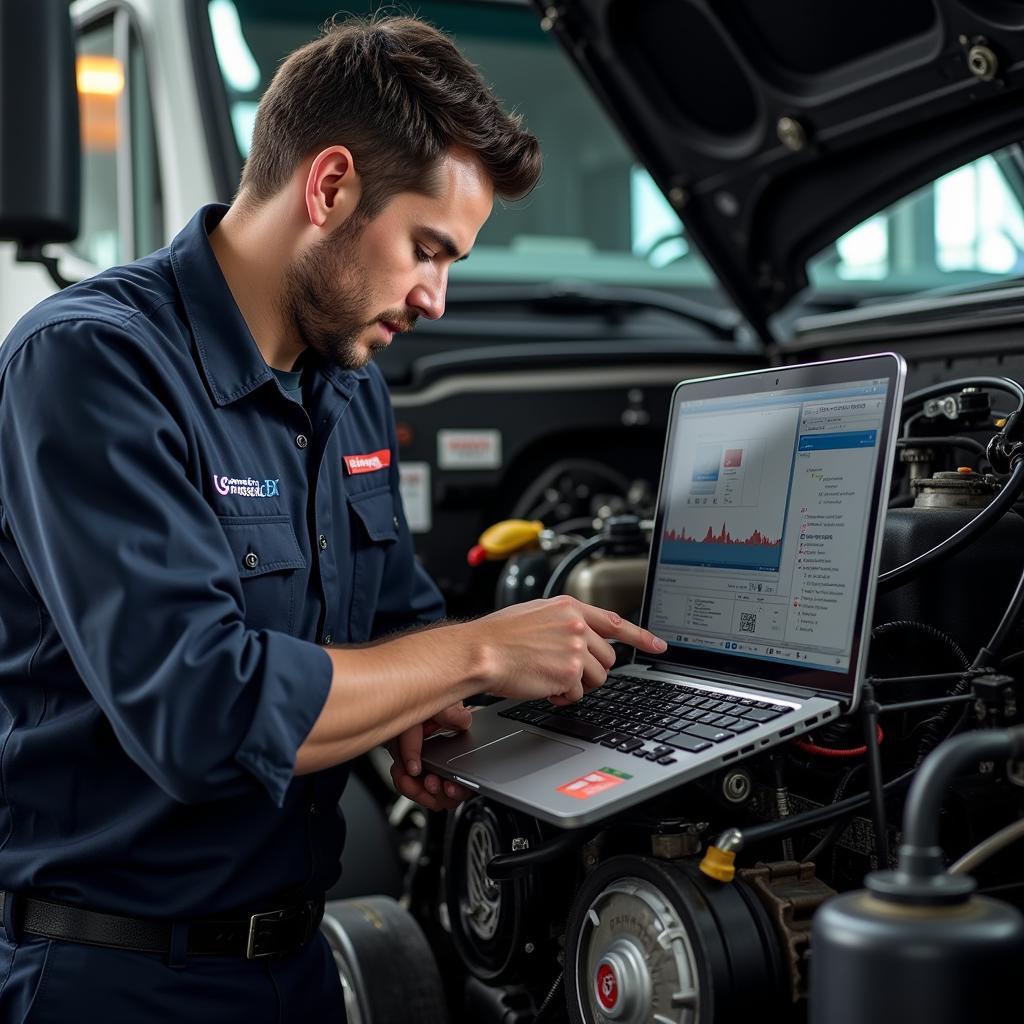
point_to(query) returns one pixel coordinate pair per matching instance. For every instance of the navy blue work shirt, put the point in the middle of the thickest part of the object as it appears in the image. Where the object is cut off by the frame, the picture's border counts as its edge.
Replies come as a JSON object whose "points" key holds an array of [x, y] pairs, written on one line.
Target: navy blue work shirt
{"points": [[177, 538]]}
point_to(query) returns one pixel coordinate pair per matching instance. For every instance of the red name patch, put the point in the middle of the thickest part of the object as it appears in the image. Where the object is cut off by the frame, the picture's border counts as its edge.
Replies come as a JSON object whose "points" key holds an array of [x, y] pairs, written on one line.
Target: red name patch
{"points": [[368, 463]]}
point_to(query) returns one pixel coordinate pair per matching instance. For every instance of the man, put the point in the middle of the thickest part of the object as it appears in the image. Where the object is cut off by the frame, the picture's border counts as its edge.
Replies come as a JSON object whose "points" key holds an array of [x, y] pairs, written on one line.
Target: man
{"points": [[205, 569]]}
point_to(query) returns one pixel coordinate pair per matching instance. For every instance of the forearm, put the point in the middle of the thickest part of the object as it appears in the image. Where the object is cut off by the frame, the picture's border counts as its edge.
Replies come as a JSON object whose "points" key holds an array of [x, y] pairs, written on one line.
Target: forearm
{"points": [[381, 690], [542, 649]]}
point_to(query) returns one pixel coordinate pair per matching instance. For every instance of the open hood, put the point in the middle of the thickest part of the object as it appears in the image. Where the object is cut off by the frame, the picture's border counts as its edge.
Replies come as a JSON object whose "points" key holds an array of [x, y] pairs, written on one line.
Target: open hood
{"points": [[774, 126]]}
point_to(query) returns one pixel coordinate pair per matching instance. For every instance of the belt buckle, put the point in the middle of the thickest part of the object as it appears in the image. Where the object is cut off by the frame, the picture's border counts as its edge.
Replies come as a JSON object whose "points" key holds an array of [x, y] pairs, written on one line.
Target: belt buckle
{"points": [[271, 917]]}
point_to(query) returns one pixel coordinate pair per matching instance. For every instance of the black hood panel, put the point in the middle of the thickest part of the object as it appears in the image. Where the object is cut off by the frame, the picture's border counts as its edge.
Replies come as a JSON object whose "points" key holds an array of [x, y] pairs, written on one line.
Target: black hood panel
{"points": [[774, 126]]}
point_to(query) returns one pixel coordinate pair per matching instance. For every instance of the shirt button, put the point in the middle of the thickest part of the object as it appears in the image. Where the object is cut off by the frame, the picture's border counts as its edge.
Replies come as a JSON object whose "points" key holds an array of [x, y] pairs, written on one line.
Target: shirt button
{"points": [[251, 560], [328, 638], [323, 542], [302, 441]]}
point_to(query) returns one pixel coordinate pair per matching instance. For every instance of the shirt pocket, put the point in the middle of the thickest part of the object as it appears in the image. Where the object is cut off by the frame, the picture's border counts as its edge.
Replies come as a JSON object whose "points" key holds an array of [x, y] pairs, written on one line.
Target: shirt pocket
{"points": [[267, 557], [374, 531]]}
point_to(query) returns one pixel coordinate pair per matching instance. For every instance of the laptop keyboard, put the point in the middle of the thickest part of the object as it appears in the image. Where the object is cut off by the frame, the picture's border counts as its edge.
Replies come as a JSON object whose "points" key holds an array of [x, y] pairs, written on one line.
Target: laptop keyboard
{"points": [[650, 718]]}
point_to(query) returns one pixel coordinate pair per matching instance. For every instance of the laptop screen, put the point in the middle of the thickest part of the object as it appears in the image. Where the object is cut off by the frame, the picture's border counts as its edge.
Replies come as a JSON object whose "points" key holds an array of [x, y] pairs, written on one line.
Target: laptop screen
{"points": [[766, 526]]}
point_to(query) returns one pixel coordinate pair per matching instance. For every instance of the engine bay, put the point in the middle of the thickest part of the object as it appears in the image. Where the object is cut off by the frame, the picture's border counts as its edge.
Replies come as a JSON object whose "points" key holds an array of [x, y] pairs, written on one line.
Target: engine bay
{"points": [[620, 922]]}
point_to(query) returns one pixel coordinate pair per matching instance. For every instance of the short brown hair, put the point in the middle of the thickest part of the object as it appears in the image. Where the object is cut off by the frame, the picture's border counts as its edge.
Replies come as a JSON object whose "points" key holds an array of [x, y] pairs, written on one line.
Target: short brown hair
{"points": [[399, 95]]}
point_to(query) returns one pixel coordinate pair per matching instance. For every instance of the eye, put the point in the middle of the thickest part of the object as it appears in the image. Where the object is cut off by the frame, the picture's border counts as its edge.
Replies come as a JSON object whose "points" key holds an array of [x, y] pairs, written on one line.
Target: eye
{"points": [[422, 256]]}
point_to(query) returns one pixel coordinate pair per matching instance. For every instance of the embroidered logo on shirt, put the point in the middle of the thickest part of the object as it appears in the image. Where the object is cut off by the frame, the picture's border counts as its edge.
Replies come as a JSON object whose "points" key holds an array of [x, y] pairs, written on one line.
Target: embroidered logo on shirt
{"points": [[246, 487], [368, 463]]}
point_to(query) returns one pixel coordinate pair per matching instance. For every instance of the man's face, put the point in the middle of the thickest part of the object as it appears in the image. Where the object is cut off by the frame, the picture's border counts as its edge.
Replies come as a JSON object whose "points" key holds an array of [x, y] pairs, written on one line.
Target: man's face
{"points": [[351, 292]]}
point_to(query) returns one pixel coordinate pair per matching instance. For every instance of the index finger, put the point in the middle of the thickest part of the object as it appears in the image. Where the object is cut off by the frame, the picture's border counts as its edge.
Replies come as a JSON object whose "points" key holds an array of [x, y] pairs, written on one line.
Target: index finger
{"points": [[613, 626]]}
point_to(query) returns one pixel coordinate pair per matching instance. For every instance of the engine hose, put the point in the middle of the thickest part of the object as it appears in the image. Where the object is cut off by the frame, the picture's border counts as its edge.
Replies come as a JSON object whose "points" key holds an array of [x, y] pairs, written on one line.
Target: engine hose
{"points": [[719, 861], [837, 828], [536, 490], [986, 518], [988, 848], [566, 565], [506, 866], [936, 727], [1004, 384], [809, 819], [1003, 448], [813, 748], [897, 625], [989, 654], [920, 854]]}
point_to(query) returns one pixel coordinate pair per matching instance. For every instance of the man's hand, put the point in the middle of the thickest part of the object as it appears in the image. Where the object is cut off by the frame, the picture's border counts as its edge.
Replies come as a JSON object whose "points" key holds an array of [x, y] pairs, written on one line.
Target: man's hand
{"points": [[427, 790], [556, 648]]}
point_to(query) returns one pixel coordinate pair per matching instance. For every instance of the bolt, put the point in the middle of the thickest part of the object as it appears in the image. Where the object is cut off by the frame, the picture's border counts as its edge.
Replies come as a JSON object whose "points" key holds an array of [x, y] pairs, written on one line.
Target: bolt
{"points": [[550, 19], [736, 787], [791, 133], [982, 62], [529, 947]]}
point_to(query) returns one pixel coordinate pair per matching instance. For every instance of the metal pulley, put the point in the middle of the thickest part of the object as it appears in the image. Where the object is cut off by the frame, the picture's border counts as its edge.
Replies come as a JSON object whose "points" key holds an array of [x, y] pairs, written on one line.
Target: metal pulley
{"points": [[655, 941], [500, 929]]}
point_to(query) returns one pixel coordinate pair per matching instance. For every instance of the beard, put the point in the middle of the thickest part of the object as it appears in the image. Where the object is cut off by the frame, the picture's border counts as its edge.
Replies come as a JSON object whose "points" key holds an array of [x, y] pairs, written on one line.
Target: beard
{"points": [[326, 298]]}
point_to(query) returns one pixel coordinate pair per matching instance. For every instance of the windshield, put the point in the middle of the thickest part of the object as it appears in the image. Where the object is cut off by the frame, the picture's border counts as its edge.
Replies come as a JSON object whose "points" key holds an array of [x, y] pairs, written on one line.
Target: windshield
{"points": [[964, 230], [596, 214]]}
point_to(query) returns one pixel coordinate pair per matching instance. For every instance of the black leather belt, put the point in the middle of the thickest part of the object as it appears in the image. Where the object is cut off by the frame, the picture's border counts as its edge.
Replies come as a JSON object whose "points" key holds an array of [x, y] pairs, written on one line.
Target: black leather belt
{"points": [[253, 936]]}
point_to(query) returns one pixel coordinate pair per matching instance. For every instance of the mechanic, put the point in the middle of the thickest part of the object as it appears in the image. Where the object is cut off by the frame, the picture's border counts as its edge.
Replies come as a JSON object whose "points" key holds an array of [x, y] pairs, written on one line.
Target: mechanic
{"points": [[208, 595]]}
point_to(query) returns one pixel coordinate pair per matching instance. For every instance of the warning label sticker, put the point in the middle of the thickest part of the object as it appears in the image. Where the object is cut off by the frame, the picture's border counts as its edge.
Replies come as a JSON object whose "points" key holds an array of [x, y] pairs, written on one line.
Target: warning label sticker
{"points": [[593, 783]]}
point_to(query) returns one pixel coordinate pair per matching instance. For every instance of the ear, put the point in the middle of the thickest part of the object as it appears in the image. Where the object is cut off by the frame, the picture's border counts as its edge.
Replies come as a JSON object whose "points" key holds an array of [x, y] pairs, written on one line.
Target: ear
{"points": [[332, 188]]}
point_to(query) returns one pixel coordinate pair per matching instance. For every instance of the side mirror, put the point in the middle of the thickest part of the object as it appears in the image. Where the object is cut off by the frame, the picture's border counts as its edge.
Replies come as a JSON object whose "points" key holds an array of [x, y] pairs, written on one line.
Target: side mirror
{"points": [[40, 151]]}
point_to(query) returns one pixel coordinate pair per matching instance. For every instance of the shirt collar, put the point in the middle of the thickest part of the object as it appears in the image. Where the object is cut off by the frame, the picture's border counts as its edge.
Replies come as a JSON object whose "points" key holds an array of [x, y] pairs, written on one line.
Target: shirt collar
{"points": [[231, 360]]}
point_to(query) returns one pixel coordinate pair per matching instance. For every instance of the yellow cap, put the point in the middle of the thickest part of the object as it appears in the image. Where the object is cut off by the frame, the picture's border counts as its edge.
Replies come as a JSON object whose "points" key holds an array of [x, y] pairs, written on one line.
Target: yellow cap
{"points": [[1000, 423], [719, 864], [509, 536], [964, 470]]}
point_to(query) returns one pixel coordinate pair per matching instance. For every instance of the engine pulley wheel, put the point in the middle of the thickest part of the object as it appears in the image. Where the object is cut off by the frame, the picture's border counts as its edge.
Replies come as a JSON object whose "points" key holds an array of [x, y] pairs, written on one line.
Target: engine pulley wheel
{"points": [[495, 926], [387, 969], [649, 941]]}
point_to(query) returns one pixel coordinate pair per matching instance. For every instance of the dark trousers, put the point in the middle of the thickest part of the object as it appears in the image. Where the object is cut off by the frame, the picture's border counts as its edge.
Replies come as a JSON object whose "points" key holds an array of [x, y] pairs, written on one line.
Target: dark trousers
{"points": [[50, 982]]}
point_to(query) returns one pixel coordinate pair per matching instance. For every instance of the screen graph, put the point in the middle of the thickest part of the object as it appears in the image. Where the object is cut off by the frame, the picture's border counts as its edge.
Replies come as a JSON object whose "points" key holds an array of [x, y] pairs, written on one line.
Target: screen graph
{"points": [[755, 551], [728, 490]]}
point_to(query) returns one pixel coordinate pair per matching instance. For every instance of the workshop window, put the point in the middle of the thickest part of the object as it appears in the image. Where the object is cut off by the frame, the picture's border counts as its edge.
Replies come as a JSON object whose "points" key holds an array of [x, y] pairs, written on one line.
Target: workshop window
{"points": [[121, 215], [964, 229]]}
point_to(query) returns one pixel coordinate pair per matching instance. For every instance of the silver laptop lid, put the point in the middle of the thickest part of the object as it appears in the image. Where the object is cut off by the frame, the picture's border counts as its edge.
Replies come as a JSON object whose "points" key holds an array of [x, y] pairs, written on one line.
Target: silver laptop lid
{"points": [[769, 524]]}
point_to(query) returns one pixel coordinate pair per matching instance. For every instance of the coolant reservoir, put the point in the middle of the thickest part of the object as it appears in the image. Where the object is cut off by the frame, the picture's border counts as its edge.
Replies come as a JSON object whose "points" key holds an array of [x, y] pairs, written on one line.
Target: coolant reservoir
{"points": [[615, 583], [965, 595]]}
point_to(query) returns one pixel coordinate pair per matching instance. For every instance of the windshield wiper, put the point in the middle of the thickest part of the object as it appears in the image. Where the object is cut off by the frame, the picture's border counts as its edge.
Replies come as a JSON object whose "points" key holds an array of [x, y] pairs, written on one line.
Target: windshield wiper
{"points": [[613, 300]]}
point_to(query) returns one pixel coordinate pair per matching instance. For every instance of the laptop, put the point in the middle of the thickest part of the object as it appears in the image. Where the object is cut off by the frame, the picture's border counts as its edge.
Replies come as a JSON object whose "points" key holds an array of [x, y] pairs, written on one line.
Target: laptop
{"points": [[761, 578]]}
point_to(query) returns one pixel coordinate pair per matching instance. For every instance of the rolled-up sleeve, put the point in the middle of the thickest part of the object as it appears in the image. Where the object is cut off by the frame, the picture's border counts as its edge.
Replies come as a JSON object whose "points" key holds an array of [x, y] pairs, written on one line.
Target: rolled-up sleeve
{"points": [[129, 561]]}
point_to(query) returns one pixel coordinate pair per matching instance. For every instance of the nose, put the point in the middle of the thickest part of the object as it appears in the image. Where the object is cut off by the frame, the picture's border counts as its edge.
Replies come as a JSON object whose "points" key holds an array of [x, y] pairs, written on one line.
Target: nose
{"points": [[427, 298]]}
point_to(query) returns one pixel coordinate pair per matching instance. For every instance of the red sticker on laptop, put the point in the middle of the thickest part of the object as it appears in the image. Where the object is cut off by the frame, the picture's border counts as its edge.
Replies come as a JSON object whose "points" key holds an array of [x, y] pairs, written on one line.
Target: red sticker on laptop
{"points": [[369, 463], [591, 784]]}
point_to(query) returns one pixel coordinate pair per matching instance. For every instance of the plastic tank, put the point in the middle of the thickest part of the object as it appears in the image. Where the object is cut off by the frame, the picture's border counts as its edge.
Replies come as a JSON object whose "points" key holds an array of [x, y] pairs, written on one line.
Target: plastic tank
{"points": [[965, 595]]}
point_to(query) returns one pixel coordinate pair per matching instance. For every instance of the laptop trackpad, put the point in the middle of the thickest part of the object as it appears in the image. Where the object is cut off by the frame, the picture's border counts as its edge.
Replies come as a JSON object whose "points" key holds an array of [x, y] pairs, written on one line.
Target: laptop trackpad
{"points": [[513, 756]]}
